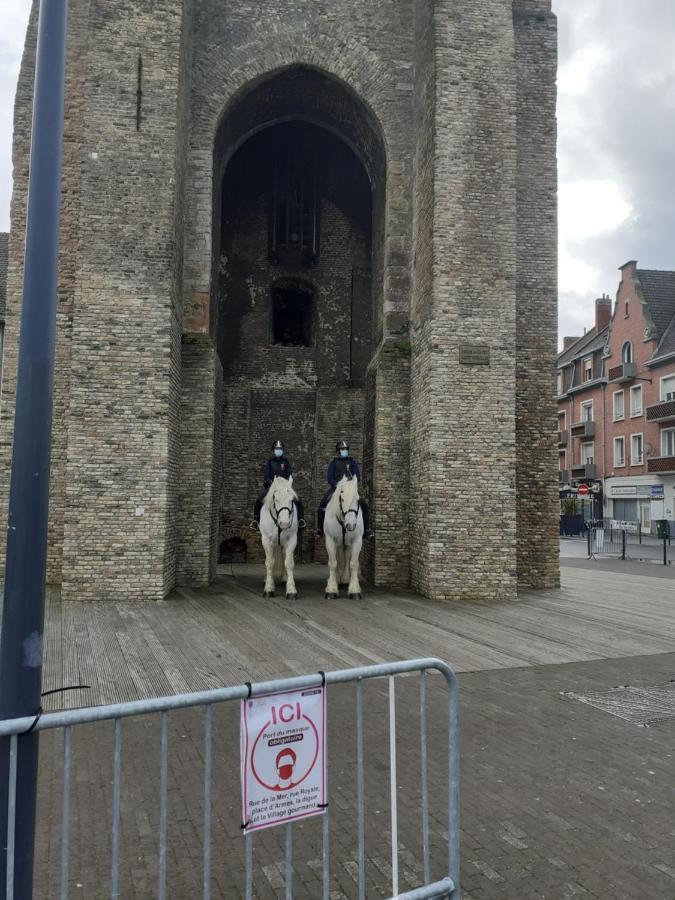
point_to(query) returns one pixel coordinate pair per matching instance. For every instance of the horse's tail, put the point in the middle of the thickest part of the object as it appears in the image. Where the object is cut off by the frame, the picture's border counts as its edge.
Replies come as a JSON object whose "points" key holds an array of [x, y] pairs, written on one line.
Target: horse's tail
{"points": [[279, 568]]}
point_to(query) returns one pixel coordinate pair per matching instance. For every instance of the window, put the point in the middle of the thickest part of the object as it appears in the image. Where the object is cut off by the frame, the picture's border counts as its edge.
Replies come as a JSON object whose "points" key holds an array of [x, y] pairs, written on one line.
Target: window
{"points": [[586, 411], [588, 369], [587, 453], [292, 315], [668, 387], [625, 315], [619, 454], [618, 405], [636, 400], [636, 449], [668, 442], [627, 353]]}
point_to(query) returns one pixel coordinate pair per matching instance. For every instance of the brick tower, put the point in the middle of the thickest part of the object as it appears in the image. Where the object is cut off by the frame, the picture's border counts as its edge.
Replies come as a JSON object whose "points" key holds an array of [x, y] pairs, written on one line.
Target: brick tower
{"points": [[304, 220]]}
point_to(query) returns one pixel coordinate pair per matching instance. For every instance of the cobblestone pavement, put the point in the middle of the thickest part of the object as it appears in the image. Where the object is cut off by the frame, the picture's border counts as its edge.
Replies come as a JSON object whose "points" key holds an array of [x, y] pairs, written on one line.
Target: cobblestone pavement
{"points": [[558, 799]]}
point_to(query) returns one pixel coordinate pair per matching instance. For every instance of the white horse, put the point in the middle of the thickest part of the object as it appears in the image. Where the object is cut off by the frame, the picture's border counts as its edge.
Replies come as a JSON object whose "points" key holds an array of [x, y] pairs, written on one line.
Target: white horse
{"points": [[279, 533], [343, 531]]}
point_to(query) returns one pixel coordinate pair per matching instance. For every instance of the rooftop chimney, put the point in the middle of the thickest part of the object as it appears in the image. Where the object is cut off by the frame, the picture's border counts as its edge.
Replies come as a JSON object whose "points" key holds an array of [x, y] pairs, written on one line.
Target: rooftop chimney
{"points": [[628, 270], [568, 341], [603, 312]]}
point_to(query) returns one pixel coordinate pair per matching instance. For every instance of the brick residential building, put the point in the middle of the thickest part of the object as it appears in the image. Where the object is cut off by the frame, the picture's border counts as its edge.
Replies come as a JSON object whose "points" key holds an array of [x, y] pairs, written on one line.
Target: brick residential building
{"points": [[303, 220], [581, 382], [631, 398]]}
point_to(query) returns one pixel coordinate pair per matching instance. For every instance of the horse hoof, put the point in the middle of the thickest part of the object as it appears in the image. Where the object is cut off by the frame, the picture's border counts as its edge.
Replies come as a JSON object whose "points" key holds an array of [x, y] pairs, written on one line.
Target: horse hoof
{"points": [[291, 596], [268, 594], [355, 596], [330, 596]]}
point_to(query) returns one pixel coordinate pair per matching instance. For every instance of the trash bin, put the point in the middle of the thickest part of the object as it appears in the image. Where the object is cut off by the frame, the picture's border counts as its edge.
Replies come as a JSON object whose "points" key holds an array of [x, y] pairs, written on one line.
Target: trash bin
{"points": [[662, 528]]}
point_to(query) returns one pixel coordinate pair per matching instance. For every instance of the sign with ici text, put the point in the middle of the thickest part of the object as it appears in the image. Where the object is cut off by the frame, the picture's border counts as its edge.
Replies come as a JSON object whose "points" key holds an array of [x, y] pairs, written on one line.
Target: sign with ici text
{"points": [[283, 757]]}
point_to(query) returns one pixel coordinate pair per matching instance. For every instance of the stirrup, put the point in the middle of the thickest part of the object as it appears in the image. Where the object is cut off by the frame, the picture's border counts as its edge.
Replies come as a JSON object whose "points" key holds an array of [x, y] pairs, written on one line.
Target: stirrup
{"points": [[302, 523], [369, 534], [253, 525]]}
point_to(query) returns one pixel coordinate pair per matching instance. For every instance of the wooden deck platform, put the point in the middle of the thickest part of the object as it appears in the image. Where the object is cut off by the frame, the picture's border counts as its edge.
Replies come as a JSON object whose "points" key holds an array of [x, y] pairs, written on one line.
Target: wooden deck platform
{"points": [[227, 634]]}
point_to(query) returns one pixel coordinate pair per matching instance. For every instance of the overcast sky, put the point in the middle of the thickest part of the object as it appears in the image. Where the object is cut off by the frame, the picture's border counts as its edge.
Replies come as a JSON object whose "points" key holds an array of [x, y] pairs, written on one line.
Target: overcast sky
{"points": [[616, 140]]}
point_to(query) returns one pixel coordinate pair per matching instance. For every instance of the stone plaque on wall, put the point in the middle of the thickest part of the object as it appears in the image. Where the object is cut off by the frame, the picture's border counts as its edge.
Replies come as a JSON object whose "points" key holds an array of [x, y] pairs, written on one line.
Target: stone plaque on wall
{"points": [[474, 355]]}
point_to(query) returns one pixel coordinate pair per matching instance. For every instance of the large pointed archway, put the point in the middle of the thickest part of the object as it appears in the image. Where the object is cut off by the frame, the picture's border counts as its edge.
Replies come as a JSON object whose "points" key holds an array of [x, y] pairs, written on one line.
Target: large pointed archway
{"points": [[296, 302]]}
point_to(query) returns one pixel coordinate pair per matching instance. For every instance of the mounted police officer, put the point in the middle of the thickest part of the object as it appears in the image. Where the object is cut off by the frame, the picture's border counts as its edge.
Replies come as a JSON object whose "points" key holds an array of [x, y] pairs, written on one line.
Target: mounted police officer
{"points": [[343, 464], [277, 466]]}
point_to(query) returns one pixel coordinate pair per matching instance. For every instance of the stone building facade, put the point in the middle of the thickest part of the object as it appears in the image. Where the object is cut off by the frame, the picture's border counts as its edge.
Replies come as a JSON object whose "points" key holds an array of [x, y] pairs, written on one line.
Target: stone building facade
{"points": [[305, 220]]}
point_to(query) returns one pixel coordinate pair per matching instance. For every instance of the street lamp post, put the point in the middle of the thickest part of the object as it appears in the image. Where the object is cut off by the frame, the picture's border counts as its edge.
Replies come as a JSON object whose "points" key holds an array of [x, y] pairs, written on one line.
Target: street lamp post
{"points": [[23, 607]]}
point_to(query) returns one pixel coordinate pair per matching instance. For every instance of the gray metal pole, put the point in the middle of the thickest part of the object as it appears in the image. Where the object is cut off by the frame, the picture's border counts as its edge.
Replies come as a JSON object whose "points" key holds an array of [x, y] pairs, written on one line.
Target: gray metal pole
{"points": [[23, 608]]}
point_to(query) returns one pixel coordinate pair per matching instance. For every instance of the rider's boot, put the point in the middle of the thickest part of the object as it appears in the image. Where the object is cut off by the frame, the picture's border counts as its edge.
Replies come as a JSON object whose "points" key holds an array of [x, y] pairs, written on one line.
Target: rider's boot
{"points": [[319, 527]]}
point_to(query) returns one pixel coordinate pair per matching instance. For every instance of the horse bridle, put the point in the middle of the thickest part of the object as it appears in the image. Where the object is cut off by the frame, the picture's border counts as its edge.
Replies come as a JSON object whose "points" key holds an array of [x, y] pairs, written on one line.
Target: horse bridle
{"points": [[345, 513], [291, 512]]}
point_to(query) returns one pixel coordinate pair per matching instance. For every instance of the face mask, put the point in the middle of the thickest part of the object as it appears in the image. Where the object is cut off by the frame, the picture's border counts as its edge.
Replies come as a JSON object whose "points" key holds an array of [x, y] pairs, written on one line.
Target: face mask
{"points": [[285, 772], [344, 453], [278, 453]]}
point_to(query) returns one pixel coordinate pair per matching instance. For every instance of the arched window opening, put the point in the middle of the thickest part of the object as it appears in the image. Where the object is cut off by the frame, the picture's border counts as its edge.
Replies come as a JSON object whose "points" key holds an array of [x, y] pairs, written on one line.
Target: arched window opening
{"points": [[627, 352], [292, 313]]}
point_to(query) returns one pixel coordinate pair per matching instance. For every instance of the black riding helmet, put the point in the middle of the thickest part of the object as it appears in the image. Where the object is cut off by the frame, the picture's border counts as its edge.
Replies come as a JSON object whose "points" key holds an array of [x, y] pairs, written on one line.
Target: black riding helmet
{"points": [[341, 445]]}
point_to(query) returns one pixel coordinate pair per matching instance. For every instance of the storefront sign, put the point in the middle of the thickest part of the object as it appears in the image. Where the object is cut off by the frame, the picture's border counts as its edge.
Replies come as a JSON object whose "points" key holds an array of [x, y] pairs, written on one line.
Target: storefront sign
{"points": [[657, 491]]}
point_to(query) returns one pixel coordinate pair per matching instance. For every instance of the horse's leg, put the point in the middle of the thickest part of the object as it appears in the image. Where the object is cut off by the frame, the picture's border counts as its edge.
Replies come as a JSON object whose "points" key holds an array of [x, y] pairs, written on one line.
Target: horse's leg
{"points": [[343, 565], [340, 553], [331, 587], [269, 567], [291, 590], [355, 552]]}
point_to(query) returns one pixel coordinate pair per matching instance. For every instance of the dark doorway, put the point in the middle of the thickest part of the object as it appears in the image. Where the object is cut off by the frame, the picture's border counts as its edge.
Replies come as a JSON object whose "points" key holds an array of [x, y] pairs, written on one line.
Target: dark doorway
{"points": [[292, 307]]}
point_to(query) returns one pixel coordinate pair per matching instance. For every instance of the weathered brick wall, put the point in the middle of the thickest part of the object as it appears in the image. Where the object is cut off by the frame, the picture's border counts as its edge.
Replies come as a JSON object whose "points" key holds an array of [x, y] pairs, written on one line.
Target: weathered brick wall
{"points": [[198, 441], [20, 160], [538, 506], [174, 473], [463, 435], [123, 394]]}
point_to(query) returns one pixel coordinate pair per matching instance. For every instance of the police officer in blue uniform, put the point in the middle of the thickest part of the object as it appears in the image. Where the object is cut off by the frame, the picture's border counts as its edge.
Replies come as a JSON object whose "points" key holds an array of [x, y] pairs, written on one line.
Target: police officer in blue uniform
{"points": [[277, 466], [343, 464]]}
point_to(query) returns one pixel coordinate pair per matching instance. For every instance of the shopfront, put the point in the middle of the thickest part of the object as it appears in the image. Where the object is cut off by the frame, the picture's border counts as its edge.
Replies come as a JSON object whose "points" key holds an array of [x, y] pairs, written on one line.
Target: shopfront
{"points": [[641, 500]]}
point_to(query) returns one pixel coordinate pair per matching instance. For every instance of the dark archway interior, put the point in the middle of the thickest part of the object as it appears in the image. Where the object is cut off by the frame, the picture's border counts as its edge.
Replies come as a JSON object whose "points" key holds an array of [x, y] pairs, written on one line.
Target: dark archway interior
{"points": [[297, 251]]}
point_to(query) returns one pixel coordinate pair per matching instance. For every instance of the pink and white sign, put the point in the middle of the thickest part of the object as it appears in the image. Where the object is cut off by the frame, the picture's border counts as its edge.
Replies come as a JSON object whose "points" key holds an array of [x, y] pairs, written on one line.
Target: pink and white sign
{"points": [[283, 757]]}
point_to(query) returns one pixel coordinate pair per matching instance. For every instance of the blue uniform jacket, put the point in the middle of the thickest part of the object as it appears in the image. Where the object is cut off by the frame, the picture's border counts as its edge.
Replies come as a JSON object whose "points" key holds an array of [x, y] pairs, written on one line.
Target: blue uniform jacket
{"points": [[339, 467], [274, 467]]}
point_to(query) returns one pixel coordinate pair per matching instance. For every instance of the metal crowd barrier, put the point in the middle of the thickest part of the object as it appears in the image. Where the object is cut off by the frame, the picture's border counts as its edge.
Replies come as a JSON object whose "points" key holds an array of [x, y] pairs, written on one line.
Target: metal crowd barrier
{"points": [[448, 887], [606, 541]]}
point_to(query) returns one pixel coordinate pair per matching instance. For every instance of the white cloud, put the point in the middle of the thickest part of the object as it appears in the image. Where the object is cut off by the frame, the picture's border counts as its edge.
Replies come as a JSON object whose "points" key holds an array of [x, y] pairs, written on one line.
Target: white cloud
{"points": [[590, 207], [575, 77]]}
